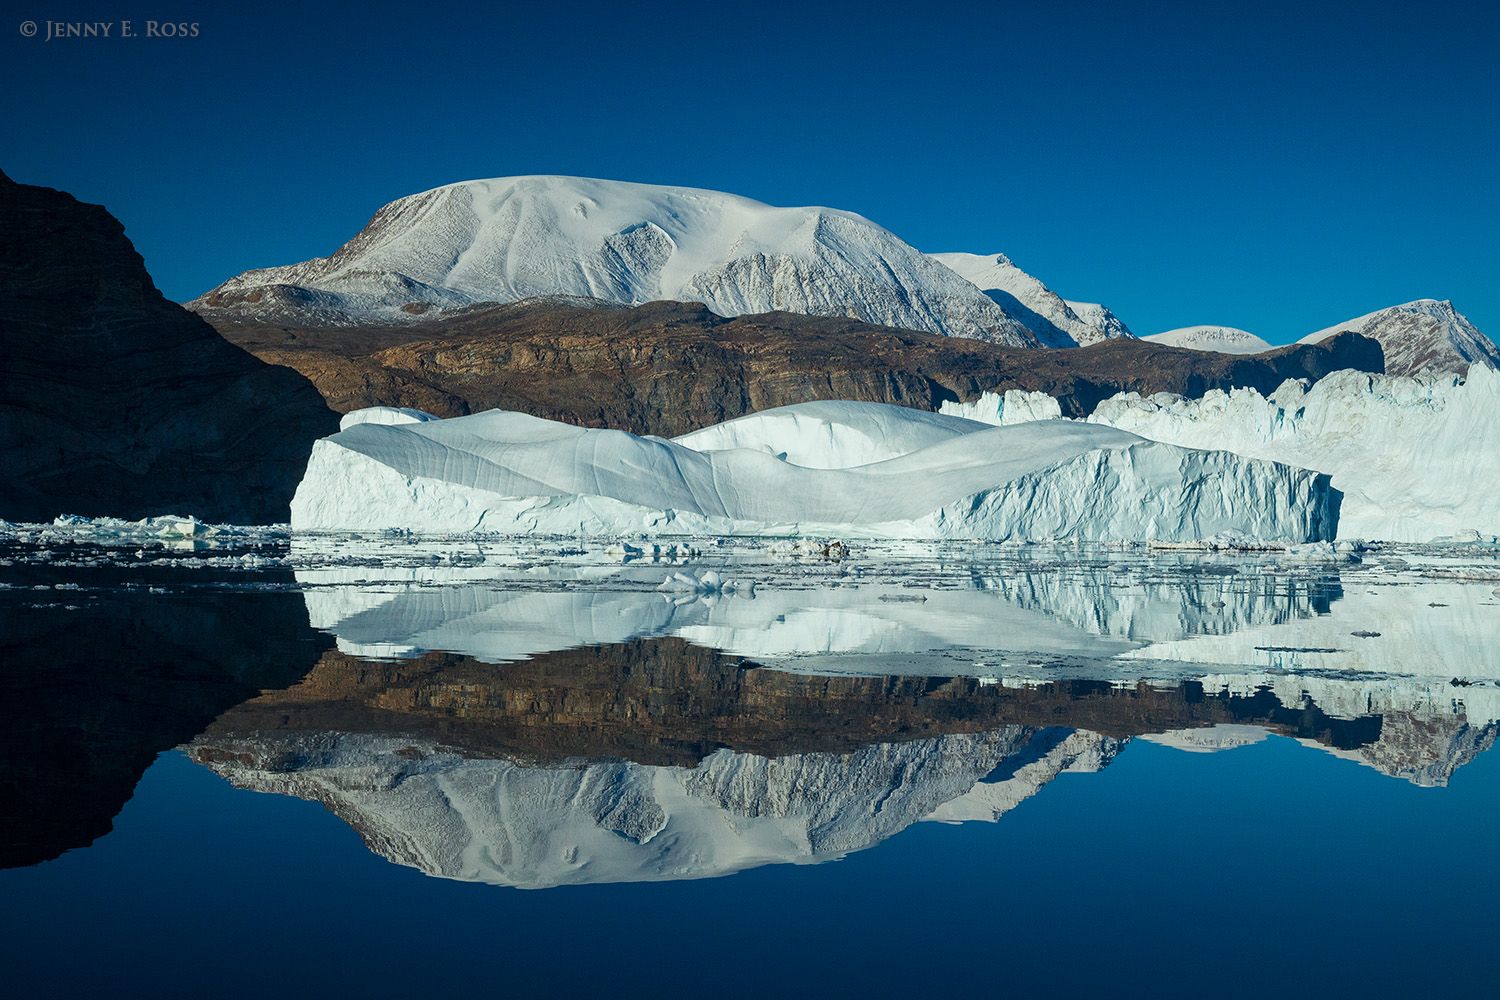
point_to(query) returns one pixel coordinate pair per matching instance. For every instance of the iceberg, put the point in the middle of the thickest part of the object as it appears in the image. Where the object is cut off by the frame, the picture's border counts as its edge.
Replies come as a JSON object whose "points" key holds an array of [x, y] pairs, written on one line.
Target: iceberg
{"points": [[920, 476], [1413, 456], [1013, 406], [384, 415]]}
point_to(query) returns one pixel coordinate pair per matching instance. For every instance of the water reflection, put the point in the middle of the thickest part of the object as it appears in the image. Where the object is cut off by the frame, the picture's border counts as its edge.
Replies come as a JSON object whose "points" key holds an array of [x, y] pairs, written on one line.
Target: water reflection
{"points": [[98, 681], [1102, 613], [896, 611], [659, 759], [537, 716]]}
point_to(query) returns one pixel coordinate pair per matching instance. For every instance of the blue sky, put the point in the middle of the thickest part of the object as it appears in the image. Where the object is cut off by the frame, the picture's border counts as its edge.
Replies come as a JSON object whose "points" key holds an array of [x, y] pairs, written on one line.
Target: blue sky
{"points": [[1275, 167]]}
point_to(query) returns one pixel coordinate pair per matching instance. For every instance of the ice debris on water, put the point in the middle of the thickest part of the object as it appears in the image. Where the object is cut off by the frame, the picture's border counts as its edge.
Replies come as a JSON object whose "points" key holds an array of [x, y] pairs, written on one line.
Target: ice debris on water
{"points": [[707, 583]]}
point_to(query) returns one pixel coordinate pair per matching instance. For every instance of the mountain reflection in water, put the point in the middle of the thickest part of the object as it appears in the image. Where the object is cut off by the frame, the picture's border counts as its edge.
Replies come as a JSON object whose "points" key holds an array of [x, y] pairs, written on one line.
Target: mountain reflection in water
{"points": [[536, 721], [656, 758]]}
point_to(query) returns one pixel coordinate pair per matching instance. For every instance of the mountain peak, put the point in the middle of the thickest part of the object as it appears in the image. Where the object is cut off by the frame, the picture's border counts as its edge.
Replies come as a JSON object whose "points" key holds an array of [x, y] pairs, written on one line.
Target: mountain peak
{"points": [[1423, 335], [510, 238], [1218, 339], [1055, 321]]}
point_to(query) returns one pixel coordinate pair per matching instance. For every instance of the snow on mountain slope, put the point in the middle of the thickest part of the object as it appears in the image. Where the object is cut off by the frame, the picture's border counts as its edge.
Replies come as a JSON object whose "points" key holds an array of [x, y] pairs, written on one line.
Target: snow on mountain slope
{"points": [[1428, 730], [530, 825], [1056, 322], [1219, 339], [1415, 457], [514, 238], [511, 473], [1209, 739], [1422, 336], [1099, 318]]}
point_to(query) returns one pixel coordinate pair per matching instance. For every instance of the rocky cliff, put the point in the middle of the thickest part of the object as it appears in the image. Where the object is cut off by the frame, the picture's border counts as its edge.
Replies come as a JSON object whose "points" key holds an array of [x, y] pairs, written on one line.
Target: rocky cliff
{"points": [[669, 367], [119, 402], [88, 709]]}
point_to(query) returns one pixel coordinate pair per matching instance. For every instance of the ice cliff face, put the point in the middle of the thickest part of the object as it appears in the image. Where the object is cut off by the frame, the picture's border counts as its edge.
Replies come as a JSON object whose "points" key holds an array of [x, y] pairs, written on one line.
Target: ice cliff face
{"points": [[1013, 406], [513, 238], [1422, 336], [1412, 456], [509, 473], [1408, 453], [1055, 321]]}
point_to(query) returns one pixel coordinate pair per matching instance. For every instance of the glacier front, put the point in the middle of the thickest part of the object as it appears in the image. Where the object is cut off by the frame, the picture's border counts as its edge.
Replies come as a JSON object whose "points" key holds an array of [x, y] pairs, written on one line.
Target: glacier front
{"points": [[855, 469]]}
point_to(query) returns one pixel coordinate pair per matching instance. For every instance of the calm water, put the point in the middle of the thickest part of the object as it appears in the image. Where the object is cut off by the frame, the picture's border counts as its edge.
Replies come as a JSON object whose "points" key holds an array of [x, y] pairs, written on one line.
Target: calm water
{"points": [[394, 769]]}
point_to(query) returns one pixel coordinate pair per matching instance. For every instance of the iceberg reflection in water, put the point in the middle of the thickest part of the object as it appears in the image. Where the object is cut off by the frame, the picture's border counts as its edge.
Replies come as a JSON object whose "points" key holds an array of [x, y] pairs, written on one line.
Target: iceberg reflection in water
{"points": [[995, 743], [536, 721]]}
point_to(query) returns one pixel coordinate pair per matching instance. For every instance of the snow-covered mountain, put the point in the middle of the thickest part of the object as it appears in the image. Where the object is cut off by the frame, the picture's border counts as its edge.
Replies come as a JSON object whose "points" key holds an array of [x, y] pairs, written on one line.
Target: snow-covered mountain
{"points": [[513, 238], [1422, 336], [941, 477], [1418, 337], [1055, 321], [1219, 339]]}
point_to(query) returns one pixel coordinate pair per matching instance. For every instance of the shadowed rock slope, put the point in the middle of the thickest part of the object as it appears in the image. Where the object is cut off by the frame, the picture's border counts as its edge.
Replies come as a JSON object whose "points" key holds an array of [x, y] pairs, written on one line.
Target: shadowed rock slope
{"points": [[118, 402], [670, 367]]}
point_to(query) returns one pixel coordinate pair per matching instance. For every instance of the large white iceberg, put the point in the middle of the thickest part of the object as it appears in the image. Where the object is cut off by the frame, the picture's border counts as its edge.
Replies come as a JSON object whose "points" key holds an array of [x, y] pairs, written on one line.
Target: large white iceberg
{"points": [[1415, 457], [919, 475]]}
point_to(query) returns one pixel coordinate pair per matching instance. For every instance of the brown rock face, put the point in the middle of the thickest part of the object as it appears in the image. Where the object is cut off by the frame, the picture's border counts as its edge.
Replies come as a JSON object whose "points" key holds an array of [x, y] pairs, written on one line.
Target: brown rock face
{"points": [[666, 701], [670, 367], [118, 402]]}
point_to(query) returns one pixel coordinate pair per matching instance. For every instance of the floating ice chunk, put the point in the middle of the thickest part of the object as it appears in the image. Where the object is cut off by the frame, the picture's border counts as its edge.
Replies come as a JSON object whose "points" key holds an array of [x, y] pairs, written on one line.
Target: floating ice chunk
{"points": [[811, 548], [626, 551], [168, 526], [707, 583]]}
